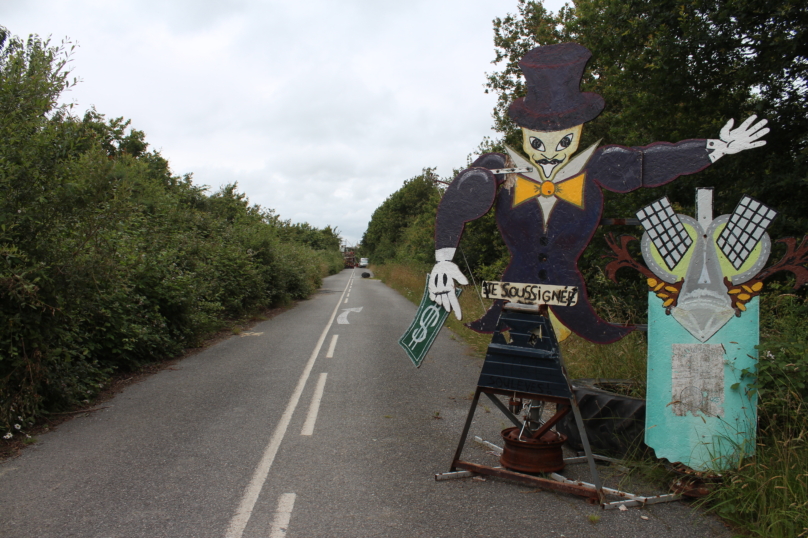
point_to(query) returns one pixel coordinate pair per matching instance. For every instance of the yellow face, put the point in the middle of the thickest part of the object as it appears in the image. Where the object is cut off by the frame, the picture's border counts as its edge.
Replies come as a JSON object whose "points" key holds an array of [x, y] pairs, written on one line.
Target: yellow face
{"points": [[550, 150]]}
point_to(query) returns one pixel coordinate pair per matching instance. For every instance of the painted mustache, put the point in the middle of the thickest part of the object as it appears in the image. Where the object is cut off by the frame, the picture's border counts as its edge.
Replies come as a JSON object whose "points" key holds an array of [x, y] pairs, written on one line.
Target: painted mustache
{"points": [[550, 161]]}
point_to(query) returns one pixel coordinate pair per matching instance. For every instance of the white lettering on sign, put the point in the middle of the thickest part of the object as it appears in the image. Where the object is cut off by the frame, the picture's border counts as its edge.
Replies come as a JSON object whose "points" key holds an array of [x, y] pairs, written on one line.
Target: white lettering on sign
{"points": [[531, 293]]}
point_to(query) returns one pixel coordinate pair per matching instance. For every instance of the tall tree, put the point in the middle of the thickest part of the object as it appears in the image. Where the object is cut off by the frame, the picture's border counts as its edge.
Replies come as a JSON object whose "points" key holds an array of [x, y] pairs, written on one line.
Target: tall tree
{"points": [[387, 234], [676, 69]]}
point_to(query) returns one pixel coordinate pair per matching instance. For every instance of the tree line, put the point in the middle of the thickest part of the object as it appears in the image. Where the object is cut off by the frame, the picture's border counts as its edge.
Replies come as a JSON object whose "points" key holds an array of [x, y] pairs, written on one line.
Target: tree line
{"points": [[108, 260]]}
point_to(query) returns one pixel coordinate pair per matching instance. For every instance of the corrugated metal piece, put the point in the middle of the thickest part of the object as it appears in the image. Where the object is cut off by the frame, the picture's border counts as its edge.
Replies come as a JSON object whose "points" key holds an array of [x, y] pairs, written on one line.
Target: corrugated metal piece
{"points": [[524, 357]]}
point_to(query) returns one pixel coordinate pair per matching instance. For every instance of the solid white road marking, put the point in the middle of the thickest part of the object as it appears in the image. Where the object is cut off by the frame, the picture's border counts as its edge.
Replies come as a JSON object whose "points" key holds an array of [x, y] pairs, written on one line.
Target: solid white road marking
{"points": [[245, 508], [330, 353], [343, 318], [282, 515], [314, 407]]}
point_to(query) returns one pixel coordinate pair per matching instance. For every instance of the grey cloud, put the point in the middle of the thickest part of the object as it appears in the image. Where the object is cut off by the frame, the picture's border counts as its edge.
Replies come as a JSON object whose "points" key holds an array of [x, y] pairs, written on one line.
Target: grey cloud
{"points": [[319, 110]]}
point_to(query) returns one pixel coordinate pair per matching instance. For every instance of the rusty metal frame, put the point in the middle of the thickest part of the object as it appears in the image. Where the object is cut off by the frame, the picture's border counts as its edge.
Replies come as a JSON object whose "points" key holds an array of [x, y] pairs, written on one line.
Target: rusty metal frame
{"points": [[558, 482], [582, 489], [577, 487], [592, 492], [628, 499]]}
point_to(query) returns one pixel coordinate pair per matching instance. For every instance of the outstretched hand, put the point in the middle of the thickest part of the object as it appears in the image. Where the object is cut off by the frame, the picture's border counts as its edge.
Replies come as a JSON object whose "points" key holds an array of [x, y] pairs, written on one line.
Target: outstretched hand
{"points": [[745, 136], [442, 286]]}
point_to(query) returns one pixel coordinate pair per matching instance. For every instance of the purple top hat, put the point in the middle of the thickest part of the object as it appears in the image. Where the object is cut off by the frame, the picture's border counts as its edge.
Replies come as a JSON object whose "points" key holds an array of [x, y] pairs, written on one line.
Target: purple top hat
{"points": [[554, 100]]}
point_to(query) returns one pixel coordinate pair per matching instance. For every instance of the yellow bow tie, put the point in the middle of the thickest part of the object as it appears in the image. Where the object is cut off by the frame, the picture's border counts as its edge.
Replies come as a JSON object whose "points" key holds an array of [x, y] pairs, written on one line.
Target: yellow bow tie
{"points": [[570, 190]]}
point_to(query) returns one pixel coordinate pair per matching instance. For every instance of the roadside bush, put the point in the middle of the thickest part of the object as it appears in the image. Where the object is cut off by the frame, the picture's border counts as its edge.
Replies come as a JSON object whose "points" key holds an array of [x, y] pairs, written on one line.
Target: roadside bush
{"points": [[783, 364], [331, 262]]}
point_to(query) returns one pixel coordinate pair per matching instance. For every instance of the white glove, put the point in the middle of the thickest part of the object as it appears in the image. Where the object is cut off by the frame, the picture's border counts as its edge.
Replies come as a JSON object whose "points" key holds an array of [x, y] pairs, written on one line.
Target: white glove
{"points": [[735, 140], [442, 281]]}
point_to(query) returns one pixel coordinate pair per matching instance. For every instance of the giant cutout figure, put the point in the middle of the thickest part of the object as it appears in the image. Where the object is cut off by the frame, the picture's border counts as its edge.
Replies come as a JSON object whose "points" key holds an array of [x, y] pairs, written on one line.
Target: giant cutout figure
{"points": [[548, 216]]}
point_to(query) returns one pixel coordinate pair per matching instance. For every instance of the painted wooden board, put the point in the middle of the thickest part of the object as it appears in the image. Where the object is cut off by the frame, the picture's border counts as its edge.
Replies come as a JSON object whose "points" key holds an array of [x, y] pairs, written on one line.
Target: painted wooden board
{"points": [[699, 408]]}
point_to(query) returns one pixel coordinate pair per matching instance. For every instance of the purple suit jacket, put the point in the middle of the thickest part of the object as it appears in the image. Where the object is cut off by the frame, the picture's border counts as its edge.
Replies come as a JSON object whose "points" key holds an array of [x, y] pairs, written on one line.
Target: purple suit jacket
{"points": [[550, 256]]}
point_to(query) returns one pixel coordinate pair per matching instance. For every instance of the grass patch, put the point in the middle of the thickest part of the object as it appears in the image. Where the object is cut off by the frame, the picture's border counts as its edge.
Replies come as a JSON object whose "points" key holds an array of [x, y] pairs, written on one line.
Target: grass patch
{"points": [[768, 494], [624, 359]]}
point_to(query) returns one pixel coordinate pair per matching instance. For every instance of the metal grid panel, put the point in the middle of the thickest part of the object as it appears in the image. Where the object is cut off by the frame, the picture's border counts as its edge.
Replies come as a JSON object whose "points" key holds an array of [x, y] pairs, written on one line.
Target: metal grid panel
{"points": [[746, 226], [665, 230]]}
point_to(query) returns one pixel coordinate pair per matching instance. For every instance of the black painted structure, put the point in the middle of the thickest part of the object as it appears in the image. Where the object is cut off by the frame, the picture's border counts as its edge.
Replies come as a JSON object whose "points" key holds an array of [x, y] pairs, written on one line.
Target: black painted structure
{"points": [[524, 361], [524, 356]]}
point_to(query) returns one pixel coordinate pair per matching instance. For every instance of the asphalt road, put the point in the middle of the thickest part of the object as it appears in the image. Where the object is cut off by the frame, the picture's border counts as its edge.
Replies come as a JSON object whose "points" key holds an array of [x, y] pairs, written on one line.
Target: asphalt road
{"points": [[302, 427]]}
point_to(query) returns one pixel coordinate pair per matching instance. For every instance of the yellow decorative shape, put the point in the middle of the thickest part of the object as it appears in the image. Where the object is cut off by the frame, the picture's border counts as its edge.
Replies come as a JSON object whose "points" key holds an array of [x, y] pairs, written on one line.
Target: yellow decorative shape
{"points": [[570, 190], [747, 288], [662, 295], [671, 289], [741, 307], [651, 282], [735, 291], [525, 190], [744, 297], [562, 333], [757, 286], [659, 286], [668, 302]]}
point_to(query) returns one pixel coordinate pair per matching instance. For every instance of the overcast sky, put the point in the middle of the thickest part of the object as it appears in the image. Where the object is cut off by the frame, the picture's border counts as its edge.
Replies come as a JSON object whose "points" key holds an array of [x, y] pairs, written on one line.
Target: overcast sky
{"points": [[318, 109]]}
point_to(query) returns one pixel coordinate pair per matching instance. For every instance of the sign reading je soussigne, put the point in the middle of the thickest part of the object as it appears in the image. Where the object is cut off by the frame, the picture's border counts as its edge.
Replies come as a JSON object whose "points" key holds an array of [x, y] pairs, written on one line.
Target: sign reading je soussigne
{"points": [[531, 293]]}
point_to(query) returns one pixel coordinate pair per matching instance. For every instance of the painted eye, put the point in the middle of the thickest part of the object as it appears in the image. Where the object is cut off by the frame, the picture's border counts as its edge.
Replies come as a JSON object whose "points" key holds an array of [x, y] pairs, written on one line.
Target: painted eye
{"points": [[536, 143], [564, 143]]}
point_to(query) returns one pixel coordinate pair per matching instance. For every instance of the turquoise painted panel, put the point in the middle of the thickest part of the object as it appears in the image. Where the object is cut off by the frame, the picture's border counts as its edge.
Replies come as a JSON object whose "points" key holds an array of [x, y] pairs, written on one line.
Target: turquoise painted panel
{"points": [[699, 408]]}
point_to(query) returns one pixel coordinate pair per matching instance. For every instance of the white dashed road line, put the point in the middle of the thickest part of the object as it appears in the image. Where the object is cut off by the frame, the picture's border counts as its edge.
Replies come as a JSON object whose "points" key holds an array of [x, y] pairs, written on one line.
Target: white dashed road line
{"points": [[282, 515], [314, 407], [330, 353], [245, 508]]}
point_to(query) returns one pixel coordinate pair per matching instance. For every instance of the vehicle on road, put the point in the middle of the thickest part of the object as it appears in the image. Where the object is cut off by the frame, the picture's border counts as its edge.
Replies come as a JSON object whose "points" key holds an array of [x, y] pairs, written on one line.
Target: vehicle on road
{"points": [[349, 259], [363, 262]]}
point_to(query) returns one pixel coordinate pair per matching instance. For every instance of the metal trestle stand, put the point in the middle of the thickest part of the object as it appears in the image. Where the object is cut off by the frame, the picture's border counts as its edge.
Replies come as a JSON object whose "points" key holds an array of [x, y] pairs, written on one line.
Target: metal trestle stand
{"points": [[524, 363]]}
